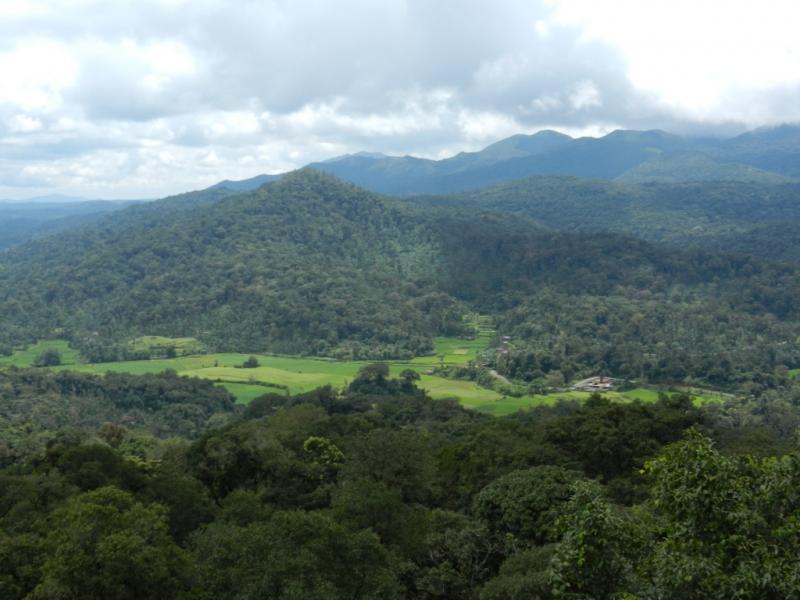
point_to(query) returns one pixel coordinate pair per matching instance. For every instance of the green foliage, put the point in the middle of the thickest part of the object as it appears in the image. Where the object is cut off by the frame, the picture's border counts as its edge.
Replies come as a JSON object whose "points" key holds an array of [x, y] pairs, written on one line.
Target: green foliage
{"points": [[728, 216], [364, 495], [104, 544], [49, 358], [250, 363], [611, 440], [309, 265], [526, 503], [35, 402], [401, 460], [729, 525], [20, 222], [596, 550], [294, 556], [461, 554], [306, 265], [523, 576]]}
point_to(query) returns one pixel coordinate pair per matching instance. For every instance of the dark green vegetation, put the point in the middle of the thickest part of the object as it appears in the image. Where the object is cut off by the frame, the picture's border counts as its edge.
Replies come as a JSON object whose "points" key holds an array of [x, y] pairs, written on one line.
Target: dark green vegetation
{"points": [[36, 404], [20, 222], [305, 265], [737, 218], [310, 265], [381, 492]]}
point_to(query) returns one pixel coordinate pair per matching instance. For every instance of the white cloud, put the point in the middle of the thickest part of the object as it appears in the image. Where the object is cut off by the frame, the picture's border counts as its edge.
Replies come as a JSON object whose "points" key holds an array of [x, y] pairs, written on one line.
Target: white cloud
{"points": [[694, 54], [157, 96], [35, 75], [24, 124], [585, 95]]}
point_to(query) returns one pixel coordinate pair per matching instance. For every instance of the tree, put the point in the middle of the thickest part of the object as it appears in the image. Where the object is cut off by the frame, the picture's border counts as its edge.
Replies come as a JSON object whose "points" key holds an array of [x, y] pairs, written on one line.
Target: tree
{"points": [[593, 556], [104, 544], [401, 460], [250, 363], [523, 576], [729, 526], [292, 556], [371, 379], [48, 358], [526, 503]]}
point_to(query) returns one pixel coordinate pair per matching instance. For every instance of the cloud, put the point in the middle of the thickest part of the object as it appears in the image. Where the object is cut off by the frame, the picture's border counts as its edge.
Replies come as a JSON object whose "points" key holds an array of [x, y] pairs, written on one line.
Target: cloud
{"points": [[156, 97]]}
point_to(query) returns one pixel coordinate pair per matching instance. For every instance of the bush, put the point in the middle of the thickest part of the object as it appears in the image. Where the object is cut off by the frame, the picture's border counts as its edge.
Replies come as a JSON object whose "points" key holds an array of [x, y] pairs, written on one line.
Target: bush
{"points": [[49, 358], [250, 363]]}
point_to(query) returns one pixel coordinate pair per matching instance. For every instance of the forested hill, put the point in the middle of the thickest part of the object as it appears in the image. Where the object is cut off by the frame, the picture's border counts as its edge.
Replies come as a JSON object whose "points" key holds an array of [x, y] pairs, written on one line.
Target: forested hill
{"points": [[307, 264], [312, 265], [745, 218]]}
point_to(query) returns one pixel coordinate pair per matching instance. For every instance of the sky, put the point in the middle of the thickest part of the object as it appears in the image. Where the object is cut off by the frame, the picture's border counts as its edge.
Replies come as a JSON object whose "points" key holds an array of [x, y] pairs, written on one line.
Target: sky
{"points": [[141, 99]]}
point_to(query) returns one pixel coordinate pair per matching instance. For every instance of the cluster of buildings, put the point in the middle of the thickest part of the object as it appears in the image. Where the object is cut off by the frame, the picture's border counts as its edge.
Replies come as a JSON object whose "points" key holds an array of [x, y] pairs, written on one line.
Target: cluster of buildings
{"points": [[595, 384]]}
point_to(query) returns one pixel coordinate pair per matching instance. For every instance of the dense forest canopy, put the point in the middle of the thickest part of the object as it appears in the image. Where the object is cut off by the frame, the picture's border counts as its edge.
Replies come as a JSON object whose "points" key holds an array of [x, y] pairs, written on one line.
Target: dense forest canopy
{"points": [[379, 492], [733, 217]]}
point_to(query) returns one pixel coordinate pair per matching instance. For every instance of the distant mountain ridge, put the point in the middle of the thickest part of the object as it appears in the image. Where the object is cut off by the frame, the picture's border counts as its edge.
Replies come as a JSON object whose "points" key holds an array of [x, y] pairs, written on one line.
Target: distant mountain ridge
{"points": [[770, 155], [21, 221]]}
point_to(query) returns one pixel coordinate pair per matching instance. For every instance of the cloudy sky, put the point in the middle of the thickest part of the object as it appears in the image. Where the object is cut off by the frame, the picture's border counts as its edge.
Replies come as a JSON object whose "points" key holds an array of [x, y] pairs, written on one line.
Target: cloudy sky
{"points": [[145, 98]]}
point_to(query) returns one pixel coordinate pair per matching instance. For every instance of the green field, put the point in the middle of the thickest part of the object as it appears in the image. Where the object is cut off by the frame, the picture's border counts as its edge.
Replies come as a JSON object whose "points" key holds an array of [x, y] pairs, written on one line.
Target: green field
{"points": [[183, 346], [25, 358], [245, 392], [296, 375]]}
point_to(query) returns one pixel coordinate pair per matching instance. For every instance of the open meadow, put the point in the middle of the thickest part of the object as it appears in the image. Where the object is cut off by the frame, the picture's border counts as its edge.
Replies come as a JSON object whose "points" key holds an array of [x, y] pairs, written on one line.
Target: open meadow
{"points": [[295, 375]]}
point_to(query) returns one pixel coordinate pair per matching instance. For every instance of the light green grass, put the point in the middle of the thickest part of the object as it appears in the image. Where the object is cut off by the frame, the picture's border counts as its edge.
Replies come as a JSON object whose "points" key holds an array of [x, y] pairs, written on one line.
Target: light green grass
{"points": [[468, 393], [507, 405], [300, 375], [25, 358], [460, 351], [297, 374], [704, 396], [453, 351], [245, 393], [183, 346], [643, 394]]}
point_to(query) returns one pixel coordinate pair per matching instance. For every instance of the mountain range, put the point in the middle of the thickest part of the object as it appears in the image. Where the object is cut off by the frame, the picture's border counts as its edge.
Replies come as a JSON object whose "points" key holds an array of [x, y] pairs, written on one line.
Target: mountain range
{"points": [[765, 156]]}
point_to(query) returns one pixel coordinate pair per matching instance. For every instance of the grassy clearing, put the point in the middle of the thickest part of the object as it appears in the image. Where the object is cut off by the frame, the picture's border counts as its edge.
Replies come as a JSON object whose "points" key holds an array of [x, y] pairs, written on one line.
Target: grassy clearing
{"points": [[182, 346], [244, 392], [298, 375], [459, 351], [468, 393], [643, 394], [25, 358]]}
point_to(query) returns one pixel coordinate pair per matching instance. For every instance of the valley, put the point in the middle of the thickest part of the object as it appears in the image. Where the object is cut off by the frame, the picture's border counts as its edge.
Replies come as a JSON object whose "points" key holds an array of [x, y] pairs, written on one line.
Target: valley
{"points": [[288, 375], [313, 369]]}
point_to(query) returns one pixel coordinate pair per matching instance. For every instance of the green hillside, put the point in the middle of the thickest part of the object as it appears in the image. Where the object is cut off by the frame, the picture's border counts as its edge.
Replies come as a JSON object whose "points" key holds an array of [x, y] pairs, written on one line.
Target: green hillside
{"points": [[313, 266], [729, 216], [696, 166]]}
